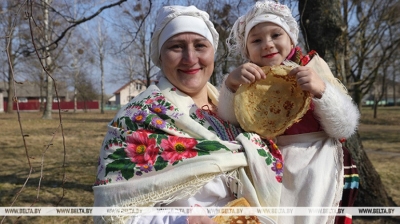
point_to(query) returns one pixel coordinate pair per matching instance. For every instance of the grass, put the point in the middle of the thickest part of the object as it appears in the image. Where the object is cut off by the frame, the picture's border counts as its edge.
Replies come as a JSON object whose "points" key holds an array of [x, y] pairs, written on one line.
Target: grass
{"points": [[84, 133], [380, 138]]}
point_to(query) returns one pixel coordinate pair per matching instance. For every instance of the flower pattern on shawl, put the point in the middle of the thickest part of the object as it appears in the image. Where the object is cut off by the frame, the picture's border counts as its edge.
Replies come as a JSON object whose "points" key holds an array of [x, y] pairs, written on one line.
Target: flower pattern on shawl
{"points": [[140, 149], [144, 138], [270, 151], [158, 109], [146, 168], [273, 148], [178, 148], [140, 116], [157, 122], [278, 168]]}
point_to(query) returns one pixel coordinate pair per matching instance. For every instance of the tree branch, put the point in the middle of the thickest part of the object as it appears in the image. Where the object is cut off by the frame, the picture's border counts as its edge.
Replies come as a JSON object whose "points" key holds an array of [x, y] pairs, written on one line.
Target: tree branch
{"points": [[84, 19]]}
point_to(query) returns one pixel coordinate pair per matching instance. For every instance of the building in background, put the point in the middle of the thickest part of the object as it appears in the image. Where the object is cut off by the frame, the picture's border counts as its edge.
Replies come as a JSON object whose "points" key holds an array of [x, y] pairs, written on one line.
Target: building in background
{"points": [[128, 91]]}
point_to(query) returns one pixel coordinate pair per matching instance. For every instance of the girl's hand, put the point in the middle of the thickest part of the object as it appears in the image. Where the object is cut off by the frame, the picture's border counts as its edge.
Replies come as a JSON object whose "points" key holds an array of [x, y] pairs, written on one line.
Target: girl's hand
{"points": [[246, 73], [309, 80]]}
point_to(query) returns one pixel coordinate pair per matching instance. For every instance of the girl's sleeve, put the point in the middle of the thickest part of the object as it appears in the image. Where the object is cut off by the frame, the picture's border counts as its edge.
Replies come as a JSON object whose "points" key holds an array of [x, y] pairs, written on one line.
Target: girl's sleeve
{"points": [[226, 109], [336, 112]]}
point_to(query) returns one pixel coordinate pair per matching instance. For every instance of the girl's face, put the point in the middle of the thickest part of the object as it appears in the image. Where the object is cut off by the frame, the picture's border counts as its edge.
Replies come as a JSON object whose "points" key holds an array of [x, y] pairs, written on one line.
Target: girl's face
{"points": [[268, 44], [187, 60]]}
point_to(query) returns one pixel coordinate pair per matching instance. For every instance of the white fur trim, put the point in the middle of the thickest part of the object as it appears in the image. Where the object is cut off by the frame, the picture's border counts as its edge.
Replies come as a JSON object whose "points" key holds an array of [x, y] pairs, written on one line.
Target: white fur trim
{"points": [[336, 112]]}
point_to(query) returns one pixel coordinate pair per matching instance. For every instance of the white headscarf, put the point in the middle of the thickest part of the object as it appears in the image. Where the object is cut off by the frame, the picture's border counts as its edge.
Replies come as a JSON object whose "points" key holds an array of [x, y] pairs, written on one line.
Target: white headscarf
{"points": [[172, 20], [262, 11]]}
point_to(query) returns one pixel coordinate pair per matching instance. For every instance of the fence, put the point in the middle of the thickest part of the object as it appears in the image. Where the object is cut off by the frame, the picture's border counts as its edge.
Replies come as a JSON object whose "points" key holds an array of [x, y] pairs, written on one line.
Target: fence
{"points": [[32, 106]]}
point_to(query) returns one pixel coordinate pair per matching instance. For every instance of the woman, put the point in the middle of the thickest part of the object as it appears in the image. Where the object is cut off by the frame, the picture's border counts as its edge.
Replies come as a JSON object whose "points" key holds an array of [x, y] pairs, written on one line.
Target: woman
{"points": [[167, 147]]}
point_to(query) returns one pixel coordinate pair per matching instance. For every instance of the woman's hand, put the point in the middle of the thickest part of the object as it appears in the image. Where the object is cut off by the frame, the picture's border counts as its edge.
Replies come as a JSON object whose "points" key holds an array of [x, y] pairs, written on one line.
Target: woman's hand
{"points": [[199, 216], [246, 73], [309, 80], [200, 220]]}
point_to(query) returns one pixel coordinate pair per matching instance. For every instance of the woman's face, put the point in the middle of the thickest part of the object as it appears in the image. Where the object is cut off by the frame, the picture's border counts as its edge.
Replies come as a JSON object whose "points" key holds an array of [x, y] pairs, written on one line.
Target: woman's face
{"points": [[187, 60], [268, 44]]}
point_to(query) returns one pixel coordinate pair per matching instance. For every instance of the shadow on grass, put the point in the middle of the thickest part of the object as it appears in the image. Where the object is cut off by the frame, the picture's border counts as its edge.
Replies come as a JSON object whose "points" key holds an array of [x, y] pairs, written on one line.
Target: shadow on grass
{"points": [[14, 179], [87, 120], [376, 220]]}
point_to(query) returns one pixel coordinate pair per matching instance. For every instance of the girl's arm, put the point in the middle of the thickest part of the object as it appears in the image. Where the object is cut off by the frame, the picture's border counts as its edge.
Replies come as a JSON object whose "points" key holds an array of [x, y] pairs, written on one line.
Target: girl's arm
{"points": [[226, 104], [336, 112]]}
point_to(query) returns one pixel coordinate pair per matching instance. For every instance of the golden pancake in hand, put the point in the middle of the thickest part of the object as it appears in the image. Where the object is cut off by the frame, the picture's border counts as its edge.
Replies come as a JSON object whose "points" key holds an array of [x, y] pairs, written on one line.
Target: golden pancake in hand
{"points": [[247, 219], [269, 106]]}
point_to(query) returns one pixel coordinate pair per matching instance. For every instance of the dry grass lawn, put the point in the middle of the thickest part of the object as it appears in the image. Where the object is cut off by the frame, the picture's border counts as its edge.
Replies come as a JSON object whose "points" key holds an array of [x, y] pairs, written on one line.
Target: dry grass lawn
{"points": [[381, 140], [83, 134]]}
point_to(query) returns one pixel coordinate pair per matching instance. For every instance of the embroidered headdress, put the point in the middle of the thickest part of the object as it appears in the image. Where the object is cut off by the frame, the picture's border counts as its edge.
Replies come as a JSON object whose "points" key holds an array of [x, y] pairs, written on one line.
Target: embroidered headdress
{"points": [[262, 11]]}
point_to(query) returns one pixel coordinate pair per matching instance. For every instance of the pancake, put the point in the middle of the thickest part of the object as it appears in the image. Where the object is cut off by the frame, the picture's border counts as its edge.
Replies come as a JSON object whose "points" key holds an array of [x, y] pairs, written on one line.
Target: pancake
{"points": [[269, 106], [240, 202]]}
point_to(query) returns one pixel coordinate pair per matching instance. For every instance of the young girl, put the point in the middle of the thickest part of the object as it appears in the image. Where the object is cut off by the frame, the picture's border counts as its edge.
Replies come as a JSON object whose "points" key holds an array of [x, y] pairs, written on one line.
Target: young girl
{"points": [[313, 155]]}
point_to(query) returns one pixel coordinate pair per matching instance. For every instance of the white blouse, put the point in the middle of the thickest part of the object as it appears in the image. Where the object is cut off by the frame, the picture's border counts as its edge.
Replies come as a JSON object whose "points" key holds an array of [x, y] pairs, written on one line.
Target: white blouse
{"points": [[215, 193]]}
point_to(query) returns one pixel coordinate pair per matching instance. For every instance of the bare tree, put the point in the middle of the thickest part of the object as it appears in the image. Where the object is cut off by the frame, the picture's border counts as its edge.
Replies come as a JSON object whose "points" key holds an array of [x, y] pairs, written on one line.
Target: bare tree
{"points": [[36, 47], [15, 42], [48, 60], [380, 86], [136, 26], [223, 14], [100, 40], [77, 54], [86, 90], [372, 41]]}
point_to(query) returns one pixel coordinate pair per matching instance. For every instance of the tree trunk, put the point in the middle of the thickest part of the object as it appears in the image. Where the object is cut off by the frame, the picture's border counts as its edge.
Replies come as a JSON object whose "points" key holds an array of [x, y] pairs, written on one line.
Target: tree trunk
{"points": [[375, 106], [394, 89], [49, 99], [102, 83], [41, 89], [322, 27], [75, 100], [10, 91], [49, 64]]}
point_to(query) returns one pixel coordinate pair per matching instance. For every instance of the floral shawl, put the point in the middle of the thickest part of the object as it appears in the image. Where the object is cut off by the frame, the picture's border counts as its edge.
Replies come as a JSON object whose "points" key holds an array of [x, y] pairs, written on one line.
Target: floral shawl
{"points": [[161, 147]]}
